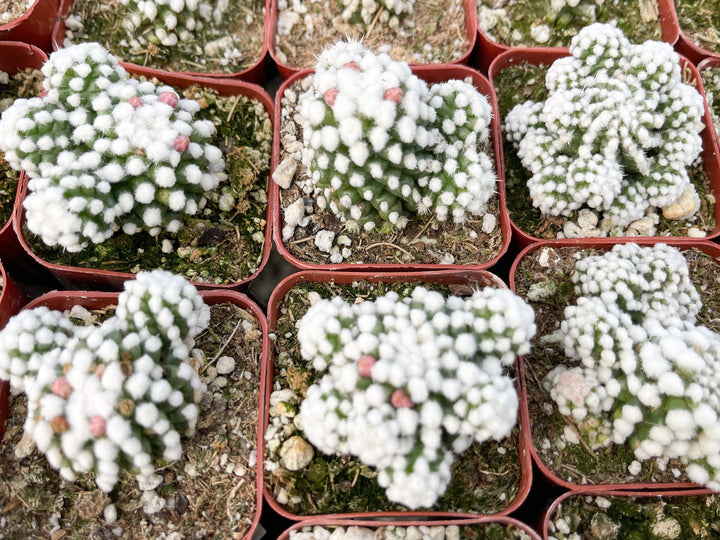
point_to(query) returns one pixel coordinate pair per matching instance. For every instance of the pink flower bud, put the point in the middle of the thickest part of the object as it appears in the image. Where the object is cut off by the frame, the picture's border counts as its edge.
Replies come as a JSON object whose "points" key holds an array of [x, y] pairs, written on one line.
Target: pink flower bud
{"points": [[97, 425], [43, 93], [400, 399], [61, 387], [136, 102], [330, 96], [181, 143], [365, 364], [352, 64], [169, 98], [393, 94]]}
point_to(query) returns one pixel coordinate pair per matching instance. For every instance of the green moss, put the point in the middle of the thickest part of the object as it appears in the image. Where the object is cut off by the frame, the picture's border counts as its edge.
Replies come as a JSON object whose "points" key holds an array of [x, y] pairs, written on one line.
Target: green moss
{"points": [[485, 479], [638, 19], [215, 246]]}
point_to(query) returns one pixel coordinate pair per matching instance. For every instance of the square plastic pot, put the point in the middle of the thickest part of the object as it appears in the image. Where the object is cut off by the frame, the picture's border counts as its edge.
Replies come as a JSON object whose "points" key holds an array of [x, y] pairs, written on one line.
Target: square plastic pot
{"points": [[709, 155], [488, 49], [74, 277], [478, 526], [254, 73], [286, 70], [431, 74], [35, 26], [464, 280], [547, 471], [65, 300]]}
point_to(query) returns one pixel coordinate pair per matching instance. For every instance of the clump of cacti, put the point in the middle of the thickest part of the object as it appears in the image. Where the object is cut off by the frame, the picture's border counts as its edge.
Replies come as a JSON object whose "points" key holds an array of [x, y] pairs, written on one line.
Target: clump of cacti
{"points": [[644, 372], [382, 146], [112, 397], [407, 383], [365, 11], [616, 133], [104, 151]]}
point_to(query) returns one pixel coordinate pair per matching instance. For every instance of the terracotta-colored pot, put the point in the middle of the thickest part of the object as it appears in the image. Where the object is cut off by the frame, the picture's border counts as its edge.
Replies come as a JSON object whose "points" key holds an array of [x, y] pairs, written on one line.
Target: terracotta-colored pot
{"points": [[14, 57], [477, 526], [686, 45], [64, 300], [652, 496], [35, 26], [710, 156], [254, 73], [529, 384], [712, 63], [73, 277], [464, 281], [488, 49], [431, 74], [287, 70]]}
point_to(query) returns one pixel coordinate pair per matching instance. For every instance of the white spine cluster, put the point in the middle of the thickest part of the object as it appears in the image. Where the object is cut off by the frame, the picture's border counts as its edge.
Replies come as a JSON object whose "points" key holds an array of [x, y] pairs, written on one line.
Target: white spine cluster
{"points": [[115, 396], [409, 382], [391, 11], [104, 151], [382, 146], [646, 370], [616, 133]]}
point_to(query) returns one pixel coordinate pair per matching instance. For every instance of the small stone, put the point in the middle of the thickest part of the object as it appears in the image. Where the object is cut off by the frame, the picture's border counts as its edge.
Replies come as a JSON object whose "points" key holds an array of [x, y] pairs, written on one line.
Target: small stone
{"points": [[413, 533], [602, 527], [293, 146], [286, 394], [82, 314], [285, 172], [296, 453], [220, 382], [694, 232], [572, 230], [452, 532], [321, 533], [282, 496], [313, 297], [152, 502], [359, 533], [685, 206], [166, 246], [323, 240], [489, 223], [25, 446], [644, 226], [547, 257], [635, 467], [149, 483], [110, 513], [225, 365], [436, 533]]}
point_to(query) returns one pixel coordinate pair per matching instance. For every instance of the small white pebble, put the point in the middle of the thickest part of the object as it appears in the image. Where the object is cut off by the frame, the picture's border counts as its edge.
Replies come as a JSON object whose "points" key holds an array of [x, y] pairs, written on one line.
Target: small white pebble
{"points": [[166, 246], [110, 513], [225, 365], [489, 223], [324, 240], [694, 232], [635, 467]]}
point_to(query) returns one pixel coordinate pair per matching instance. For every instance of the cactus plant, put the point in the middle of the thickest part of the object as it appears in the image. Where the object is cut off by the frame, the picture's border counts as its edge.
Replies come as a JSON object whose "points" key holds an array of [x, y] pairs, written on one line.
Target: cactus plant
{"points": [[407, 383], [104, 151], [616, 133], [383, 147], [644, 372], [115, 396]]}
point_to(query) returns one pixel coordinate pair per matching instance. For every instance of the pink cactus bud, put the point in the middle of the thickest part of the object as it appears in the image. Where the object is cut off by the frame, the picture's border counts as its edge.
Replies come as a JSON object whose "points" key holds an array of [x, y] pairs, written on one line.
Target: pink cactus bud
{"points": [[181, 143], [43, 93], [61, 387], [97, 425], [136, 102], [352, 64], [330, 96], [400, 399], [169, 98], [365, 364], [393, 94]]}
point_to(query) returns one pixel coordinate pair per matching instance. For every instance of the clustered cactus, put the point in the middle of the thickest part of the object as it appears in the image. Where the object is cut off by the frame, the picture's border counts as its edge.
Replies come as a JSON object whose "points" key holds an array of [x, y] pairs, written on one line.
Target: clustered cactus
{"points": [[116, 396], [104, 151], [647, 374], [366, 10], [616, 133], [409, 382], [382, 146]]}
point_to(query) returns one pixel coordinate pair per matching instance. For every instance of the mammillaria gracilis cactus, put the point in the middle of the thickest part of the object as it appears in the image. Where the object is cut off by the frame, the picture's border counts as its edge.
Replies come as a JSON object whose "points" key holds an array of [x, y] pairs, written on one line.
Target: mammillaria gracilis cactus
{"points": [[616, 133], [383, 146], [117, 396], [104, 151], [407, 383], [646, 374]]}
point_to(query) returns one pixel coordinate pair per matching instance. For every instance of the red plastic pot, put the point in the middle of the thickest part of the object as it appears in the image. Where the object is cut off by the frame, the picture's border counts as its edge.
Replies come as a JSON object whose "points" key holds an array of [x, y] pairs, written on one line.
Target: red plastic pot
{"points": [[14, 57], [286, 70], [255, 73], [91, 278], [63, 300], [35, 26], [548, 473], [476, 525], [687, 46], [430, 74], [488, 49], [652, 495], [710, 155], [463, 279]]}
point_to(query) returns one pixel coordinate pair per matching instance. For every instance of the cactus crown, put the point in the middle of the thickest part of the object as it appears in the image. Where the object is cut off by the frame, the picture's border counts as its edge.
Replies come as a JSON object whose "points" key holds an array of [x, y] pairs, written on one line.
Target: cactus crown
{"points": [[382, 146], [647, 374], [115, 396], [616, 133], [409, 382], [390, 11], [104, 151]]}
